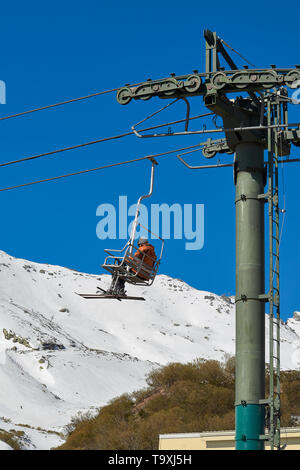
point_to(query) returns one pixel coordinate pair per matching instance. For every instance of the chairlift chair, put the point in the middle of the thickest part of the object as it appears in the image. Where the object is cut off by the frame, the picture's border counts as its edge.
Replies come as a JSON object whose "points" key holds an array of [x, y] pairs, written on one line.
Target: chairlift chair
{"points": [[122, 264]]}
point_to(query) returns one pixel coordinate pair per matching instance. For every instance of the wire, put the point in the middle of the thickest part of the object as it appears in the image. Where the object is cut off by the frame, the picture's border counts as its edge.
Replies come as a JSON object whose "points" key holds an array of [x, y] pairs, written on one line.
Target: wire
{"points": [[65, 149], [176, 122], [92, 95], [238, 53], [67, 175], [99, 168], [61, 103], [85, 144], [186, 120], [292, 160], [157, 112], [57, 104], [124, 163]]}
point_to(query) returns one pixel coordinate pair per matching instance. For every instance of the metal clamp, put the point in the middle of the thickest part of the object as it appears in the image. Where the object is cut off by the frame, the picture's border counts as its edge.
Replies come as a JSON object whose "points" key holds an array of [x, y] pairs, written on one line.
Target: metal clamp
{"points": [[245, 197], [245, 298]]}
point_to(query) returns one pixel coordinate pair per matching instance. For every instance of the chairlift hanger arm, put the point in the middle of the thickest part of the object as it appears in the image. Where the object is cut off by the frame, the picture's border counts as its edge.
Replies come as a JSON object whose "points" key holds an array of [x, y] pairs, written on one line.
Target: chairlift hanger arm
{"points": [[145, 196]]}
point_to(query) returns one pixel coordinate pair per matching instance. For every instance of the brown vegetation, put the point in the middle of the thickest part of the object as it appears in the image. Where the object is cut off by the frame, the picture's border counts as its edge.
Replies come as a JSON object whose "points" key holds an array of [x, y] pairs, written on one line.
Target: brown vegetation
{"points": [[193, 397]]}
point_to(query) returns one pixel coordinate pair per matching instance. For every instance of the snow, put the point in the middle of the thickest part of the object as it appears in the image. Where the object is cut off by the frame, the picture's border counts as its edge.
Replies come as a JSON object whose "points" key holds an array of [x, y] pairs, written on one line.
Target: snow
{"points": [[61, 354], [4, 446]]}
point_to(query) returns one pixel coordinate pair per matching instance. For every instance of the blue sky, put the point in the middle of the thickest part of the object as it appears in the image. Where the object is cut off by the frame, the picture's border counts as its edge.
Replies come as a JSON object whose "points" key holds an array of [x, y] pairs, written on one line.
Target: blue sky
{"points": [[60, 50]]}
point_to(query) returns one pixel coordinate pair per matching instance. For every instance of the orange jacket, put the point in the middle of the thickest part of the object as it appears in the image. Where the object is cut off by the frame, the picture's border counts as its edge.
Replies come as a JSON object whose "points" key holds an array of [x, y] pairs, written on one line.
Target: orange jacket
{"points": [[149, 252], [149, 258]]}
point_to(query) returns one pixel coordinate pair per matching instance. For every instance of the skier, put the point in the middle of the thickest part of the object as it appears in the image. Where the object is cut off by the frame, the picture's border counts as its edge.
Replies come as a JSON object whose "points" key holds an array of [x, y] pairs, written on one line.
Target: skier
{"points": [[146, 252]]}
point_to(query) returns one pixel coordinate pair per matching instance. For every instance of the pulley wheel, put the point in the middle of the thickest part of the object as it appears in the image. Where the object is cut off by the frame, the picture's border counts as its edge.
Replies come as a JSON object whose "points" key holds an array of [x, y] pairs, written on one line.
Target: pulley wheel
{"points": [[124, 95], [192, 83]]}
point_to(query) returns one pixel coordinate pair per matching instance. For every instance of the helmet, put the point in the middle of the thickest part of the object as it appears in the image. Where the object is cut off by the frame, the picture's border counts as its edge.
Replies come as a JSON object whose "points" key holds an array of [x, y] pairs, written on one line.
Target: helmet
{"points": [[142, 241]]}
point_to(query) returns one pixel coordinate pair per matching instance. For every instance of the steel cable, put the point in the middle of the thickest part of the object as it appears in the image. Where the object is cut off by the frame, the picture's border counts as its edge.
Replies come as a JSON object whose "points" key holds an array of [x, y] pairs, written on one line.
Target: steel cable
{"points": [[85, 144], [125, 163], [99, 168]]}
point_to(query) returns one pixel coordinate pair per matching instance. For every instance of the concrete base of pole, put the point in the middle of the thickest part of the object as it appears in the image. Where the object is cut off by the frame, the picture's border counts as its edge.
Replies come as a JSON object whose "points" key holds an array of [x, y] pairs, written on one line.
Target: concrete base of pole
{"points": [[249, 425]]}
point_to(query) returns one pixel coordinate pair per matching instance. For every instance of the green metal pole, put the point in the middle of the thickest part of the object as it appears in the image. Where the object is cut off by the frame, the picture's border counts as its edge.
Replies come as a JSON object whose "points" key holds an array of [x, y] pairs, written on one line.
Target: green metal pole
{"points": [[250, 310]]}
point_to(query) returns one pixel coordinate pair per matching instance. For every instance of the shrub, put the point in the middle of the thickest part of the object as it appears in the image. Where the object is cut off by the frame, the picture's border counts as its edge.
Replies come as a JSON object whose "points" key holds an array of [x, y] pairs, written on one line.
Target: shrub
{"points": [[194, 397]]}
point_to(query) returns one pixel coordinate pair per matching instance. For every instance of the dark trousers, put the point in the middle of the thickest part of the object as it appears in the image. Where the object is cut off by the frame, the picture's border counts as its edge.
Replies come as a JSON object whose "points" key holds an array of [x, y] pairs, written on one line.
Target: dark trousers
{"points": [[117, 284]]}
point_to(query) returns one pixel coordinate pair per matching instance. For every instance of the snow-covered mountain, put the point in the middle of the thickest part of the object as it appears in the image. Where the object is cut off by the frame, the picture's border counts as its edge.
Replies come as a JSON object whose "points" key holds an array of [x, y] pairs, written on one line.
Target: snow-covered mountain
{"points": [[61, 354]]}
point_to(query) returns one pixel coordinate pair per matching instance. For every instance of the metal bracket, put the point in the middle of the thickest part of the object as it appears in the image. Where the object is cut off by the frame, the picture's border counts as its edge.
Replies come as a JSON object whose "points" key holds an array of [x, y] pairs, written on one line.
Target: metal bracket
{"points": [[152, 159], [261, 297], [264, 197], [186, 120], [245, 197], [264, 437], [200, 167], [264, 401], [264, 297]]}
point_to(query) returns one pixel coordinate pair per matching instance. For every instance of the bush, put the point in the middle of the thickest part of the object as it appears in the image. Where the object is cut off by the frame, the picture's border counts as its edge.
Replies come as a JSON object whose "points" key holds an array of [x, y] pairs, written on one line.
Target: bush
{"points": [[194, 397]]}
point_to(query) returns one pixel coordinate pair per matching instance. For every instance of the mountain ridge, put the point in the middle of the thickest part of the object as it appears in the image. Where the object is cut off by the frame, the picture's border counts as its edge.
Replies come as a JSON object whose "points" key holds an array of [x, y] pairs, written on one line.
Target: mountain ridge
{"points": [[61, 354]]}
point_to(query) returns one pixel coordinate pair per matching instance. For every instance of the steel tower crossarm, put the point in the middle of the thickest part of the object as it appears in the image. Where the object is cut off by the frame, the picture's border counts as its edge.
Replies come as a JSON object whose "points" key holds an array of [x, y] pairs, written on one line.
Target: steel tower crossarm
{"points": [[203, 84]]}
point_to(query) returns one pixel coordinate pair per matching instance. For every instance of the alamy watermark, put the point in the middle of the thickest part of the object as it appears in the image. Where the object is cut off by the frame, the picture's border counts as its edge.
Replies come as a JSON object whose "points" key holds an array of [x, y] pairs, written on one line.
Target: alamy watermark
{"points": [[2, 92], [178, 221], [296, 94]]}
